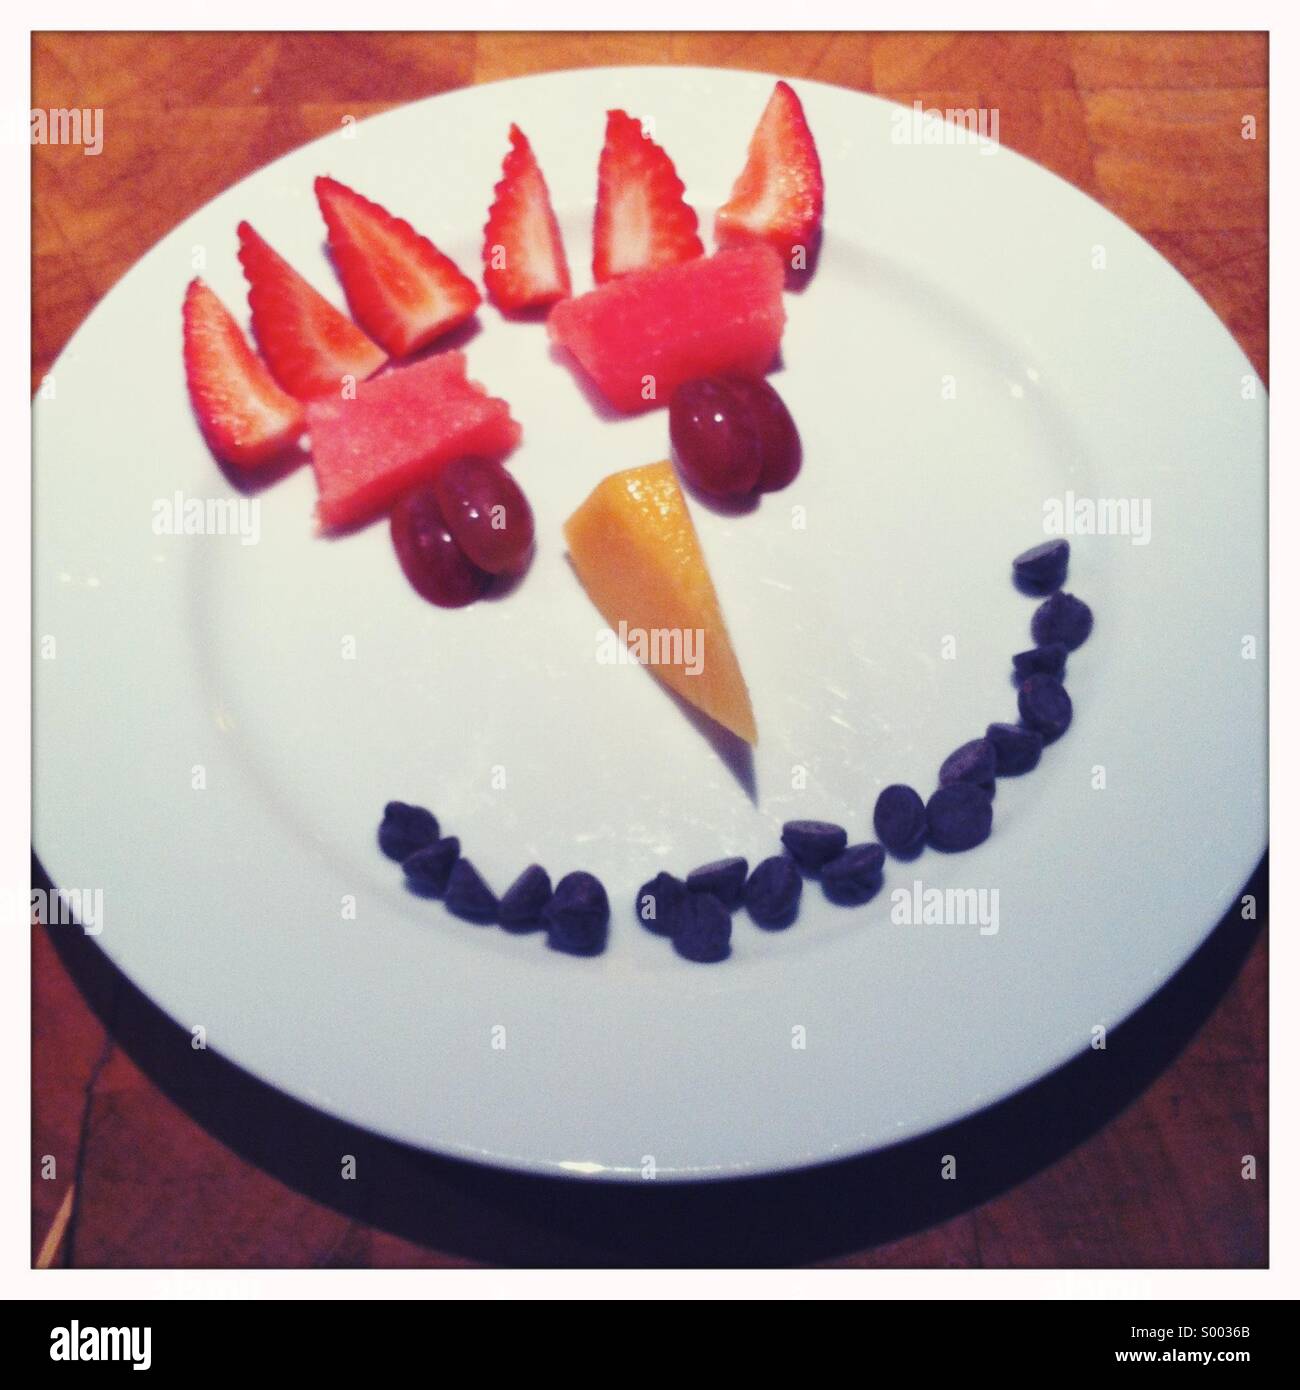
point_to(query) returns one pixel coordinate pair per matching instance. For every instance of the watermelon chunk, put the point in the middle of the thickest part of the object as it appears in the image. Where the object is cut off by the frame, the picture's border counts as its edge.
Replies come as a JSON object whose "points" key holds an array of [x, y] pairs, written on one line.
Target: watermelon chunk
{"points": [[398, 431], [641, 336]]}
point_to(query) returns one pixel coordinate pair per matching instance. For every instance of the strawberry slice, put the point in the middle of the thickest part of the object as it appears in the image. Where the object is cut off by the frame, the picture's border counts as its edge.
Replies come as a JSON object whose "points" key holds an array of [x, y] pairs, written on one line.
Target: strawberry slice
{"points": [[245, 417], [401, 289], [308, 344], [778, 196], [642, 220], [523, 254]]}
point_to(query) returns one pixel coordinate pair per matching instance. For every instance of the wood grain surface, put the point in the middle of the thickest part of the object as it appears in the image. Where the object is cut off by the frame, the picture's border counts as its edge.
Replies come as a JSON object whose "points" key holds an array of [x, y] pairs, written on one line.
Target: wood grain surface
{"points": [[1134, 1162]]}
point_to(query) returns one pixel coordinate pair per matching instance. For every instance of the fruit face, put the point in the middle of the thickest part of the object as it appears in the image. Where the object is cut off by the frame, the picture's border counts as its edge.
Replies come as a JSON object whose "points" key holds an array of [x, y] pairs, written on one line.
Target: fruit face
{"points": [[732, 434], [487, 512], [640, 337], [642, 219], [398, 431], [246, 418], [634, 547], [778, 197], [435, 565]]}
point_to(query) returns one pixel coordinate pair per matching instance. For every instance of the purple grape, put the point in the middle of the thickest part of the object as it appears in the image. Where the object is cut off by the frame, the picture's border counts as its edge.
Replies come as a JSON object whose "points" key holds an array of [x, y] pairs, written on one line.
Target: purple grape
{"points": [[431, 557], [731, 435], [715, 442], [782, 450], [487, 513]]}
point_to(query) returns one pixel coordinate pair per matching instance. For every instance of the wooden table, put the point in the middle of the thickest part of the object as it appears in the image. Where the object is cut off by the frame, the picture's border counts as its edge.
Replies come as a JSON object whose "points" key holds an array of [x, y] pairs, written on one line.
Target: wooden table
{"points": [[194, 1165]]}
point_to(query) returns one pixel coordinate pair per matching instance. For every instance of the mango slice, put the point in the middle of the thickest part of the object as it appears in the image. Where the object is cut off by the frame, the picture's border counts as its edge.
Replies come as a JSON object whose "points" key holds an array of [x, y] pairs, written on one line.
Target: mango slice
{"points": [[635, 549]]}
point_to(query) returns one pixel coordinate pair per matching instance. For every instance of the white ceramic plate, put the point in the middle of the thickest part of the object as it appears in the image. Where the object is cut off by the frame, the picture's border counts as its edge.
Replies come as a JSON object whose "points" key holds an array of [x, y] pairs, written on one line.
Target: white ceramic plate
{"points": [[874, 625]]}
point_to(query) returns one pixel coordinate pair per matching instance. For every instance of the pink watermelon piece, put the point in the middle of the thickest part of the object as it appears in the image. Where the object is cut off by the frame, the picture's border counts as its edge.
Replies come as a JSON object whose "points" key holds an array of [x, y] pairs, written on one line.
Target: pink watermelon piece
{"points": [[398, 430], [720, 314]]}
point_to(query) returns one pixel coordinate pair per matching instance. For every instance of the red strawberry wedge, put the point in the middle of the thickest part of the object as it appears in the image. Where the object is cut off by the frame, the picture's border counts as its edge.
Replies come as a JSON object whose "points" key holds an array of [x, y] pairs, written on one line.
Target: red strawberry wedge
{"points": [[778, 196], [308, 344], [401, 289], [246, 418], [523, 254], [642, 219]]}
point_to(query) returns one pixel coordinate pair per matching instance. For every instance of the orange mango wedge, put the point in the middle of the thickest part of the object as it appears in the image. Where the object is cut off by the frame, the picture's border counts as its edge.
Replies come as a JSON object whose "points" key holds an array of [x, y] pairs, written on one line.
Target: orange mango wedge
{"points": [[635, 549]]}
